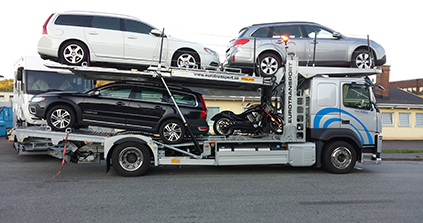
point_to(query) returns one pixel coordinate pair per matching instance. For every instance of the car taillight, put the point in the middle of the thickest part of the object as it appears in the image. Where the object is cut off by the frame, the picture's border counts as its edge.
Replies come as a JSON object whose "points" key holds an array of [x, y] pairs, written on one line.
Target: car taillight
{"points": [[240, 42], [45, 24], [204, 108]]}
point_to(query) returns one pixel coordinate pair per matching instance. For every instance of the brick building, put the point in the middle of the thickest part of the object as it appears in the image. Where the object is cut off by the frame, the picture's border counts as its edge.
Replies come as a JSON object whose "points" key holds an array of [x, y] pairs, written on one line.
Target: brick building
{"points": [[413, 86]]}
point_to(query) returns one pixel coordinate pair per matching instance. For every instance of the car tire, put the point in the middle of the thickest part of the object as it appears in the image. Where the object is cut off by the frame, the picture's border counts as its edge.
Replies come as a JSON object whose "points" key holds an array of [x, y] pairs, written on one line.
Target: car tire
{"points": [[61, 117], [186, 59], [73, 53], [268, 64], [362, 59], [339, 157], [131, 159], [172, 131], [220, 127]]}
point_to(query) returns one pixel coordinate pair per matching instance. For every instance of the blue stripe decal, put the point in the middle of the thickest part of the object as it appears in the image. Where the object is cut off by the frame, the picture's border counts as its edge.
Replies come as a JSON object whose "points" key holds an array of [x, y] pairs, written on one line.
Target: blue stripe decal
{"points": [[330, 121], [361, 137], [325, 111]]}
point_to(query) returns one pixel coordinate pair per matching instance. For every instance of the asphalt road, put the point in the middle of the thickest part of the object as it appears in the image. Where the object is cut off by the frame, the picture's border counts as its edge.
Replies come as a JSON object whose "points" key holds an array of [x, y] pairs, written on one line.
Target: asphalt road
{"points": [[390, 192]]}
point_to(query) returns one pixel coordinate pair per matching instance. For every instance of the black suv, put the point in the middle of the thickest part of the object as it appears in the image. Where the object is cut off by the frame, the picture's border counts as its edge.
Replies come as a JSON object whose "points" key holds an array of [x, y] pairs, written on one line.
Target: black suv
{"points": [[125, 105]]}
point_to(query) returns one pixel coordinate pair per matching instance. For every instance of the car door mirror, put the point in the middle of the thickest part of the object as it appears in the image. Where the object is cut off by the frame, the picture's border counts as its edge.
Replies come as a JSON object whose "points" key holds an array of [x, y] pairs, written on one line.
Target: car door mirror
{"points": [[336, 35], [97, 93], [156, 32]]}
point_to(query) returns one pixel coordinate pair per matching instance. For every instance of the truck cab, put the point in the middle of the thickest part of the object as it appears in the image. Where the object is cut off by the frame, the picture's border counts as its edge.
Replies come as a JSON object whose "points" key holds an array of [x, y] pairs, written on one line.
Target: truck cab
{"points": [[344, 110]]}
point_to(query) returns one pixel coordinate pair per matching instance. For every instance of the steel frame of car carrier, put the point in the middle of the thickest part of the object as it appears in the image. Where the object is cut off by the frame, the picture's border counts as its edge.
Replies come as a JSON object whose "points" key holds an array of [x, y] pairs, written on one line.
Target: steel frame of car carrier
{"points": [[130, 152]]}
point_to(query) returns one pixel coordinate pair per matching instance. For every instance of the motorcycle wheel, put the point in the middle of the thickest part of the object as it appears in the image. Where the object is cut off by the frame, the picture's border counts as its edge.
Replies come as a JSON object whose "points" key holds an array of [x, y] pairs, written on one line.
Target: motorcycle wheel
{"points": [[274, 127], [221, 125]]}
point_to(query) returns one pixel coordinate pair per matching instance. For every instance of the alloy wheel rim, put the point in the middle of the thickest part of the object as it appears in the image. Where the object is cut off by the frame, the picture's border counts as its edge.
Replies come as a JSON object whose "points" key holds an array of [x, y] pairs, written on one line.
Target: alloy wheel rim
{"points": [[60, 118], [341, 157], [269, 65], [364, 60], [172, 132], [73, 54], [187, 61], [131, 159]]}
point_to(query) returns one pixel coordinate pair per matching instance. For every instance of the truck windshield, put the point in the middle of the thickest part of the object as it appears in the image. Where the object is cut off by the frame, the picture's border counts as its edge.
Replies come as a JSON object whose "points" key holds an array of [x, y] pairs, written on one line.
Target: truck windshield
{"points": [[44, 81]]}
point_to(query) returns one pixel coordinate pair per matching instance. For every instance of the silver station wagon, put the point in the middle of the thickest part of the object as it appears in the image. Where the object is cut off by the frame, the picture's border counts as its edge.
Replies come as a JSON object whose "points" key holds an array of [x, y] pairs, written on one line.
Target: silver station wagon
{"points": [[331, 48]]}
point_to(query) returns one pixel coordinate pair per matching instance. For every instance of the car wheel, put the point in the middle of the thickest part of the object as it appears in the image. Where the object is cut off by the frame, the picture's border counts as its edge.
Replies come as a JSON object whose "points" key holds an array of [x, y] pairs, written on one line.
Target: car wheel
{"points": [[220, 127], [362, 59], [73, 53], [186, 59], [131, 159], [172, 131], [268, 63], [61, 117], [339, 157]]}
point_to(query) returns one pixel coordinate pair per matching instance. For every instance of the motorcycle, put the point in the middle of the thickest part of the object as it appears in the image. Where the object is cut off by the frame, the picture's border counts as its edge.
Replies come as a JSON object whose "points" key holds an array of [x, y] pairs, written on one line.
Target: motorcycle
{"points": [[257, 119]]}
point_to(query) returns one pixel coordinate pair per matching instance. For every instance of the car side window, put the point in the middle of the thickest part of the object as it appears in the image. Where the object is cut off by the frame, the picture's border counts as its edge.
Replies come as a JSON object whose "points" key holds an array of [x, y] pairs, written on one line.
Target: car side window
{"points": [[103, 22], [147, 94], [263, 32], [137, 27], [72, 20], [184, 99], [122, 91], [293, 31], [321, 32]]}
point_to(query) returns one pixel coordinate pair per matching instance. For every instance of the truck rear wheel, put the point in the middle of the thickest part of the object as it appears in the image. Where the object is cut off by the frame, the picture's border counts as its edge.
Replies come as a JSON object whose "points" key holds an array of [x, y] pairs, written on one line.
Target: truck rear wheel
{"points": [[339, 157], [131, 159]]}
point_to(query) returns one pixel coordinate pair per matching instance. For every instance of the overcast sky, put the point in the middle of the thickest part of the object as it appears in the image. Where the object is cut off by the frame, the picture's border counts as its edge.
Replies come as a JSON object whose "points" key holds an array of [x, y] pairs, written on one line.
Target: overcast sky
{"points": [[396, 25]]}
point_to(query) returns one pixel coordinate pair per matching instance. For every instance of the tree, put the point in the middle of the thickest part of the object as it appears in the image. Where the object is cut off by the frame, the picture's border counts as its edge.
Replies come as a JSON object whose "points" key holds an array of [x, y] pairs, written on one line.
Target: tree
{"points": [[6, 85]]}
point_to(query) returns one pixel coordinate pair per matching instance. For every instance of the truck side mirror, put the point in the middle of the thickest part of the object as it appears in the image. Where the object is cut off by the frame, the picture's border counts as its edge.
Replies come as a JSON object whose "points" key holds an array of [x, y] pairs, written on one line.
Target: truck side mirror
{"points": [[19, 74]]}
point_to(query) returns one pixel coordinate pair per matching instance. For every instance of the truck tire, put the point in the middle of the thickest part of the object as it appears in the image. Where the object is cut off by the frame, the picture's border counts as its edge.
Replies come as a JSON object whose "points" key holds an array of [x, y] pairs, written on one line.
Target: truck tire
{"points": [[339, 157], [131, 159]]}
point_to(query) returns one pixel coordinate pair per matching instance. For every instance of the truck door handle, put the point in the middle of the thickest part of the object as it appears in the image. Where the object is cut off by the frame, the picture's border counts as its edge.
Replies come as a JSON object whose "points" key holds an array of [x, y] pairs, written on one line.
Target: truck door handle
{"points": [[158, 107], [119, 103], [346, 122], [132, 37], [93, 33]]}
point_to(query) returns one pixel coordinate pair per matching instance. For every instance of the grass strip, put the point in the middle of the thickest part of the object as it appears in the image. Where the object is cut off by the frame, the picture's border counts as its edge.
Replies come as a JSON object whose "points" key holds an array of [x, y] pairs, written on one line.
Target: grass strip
{"points": [[402, 150]]}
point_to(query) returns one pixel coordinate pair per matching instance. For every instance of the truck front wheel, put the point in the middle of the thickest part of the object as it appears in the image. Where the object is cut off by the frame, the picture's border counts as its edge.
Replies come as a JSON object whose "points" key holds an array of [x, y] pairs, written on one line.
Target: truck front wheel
{"points": [[339, 157], [131, 159]]}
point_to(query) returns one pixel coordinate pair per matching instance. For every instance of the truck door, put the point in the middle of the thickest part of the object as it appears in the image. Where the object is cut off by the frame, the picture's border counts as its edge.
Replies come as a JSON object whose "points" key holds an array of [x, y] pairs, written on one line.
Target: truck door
{"points": [[357, 112], [325, 105]]}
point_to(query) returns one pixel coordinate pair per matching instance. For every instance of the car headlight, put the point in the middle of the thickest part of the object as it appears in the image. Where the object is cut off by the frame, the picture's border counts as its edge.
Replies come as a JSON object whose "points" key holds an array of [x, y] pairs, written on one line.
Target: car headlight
{"points": [[37, 99]]}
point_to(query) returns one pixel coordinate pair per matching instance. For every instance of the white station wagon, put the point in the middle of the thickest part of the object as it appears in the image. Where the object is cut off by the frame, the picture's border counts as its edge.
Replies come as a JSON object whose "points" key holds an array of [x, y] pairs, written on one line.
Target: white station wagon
{"points": [[85, 38]]}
